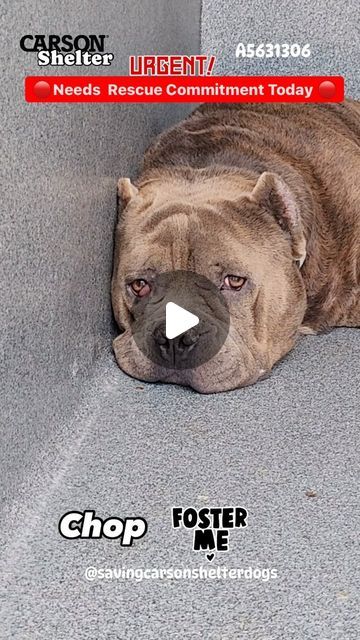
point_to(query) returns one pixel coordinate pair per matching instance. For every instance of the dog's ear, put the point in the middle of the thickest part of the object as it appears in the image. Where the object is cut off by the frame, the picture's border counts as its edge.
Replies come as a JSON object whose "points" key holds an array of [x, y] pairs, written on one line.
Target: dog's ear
{"points": [[126, 190], [272, 193]]}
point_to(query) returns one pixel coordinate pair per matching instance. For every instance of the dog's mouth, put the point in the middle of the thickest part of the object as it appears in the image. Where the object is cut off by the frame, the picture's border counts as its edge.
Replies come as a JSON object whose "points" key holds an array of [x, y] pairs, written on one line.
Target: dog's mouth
{"points": [[223, 372]]}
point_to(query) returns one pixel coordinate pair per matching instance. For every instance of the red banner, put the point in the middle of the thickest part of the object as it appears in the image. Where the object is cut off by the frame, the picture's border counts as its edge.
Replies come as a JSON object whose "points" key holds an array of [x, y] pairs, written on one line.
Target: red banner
{"points": [[304, 89]]}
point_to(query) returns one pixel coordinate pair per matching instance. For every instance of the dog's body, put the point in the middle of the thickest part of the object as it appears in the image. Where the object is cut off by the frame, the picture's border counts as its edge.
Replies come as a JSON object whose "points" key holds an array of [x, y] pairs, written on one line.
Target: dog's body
{"points": [[273, 191]]}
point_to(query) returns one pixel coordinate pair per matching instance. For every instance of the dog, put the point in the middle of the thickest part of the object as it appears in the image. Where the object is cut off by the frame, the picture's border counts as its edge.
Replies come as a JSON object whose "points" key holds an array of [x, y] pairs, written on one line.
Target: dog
{"points": [[264, 201]]}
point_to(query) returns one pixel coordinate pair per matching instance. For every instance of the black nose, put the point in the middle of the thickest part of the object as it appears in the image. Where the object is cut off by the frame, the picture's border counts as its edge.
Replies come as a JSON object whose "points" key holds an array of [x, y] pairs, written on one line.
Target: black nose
{"points": [[177, 349]]}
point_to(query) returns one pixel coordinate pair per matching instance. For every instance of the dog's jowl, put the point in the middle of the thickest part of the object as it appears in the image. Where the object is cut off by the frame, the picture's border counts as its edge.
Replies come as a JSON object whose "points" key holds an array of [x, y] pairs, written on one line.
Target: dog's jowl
{"points": [[262, 202]]}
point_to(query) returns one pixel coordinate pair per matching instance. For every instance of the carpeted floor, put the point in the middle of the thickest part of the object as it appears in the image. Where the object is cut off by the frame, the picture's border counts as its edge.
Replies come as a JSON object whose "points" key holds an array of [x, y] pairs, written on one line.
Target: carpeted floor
{"points": [[331, 28], [286, 449]]}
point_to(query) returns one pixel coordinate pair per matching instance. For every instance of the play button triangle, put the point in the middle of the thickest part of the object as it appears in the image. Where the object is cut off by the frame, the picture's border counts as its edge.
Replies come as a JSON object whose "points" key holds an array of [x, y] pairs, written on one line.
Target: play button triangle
{"points": [[178, 320]]}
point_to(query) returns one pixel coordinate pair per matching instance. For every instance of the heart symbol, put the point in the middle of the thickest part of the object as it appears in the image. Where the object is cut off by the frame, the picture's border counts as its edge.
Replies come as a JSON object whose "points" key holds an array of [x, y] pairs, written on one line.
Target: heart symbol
{"points": [[210, 556]]}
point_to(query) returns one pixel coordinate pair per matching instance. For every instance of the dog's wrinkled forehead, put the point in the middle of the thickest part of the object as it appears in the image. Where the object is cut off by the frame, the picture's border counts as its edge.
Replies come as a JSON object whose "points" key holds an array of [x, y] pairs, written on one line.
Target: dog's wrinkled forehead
{"points": [[177, 209], [173, 229], [188, 225], [174, 218], [197, 192]]}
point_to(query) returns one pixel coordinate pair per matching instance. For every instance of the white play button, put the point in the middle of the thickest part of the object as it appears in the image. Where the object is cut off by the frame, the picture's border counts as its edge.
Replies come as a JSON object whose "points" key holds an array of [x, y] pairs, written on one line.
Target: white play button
{"points": [[178, 320]]}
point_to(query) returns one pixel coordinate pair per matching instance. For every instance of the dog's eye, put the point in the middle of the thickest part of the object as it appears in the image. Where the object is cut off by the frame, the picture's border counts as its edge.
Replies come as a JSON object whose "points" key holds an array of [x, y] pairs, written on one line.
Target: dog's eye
{"points": [[233, 282], [140, 288]]}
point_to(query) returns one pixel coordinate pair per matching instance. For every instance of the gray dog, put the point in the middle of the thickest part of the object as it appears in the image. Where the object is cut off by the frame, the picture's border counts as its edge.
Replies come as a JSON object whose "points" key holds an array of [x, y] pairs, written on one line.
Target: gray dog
{"points": [[262, 200]]}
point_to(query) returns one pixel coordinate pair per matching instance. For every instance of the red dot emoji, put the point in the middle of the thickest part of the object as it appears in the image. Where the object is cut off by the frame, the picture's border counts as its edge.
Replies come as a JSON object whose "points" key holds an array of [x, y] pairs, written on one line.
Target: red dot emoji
{"points": [[42, 89], [327, 89]]}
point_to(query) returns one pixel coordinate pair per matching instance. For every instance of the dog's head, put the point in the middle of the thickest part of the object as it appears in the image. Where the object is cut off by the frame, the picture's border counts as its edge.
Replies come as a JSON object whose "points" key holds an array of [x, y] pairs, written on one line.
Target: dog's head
{"points": [[245, 237]]}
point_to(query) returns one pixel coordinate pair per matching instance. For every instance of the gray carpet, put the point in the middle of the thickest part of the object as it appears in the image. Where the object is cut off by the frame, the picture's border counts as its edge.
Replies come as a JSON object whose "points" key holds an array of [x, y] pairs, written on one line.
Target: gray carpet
{"points": [[330, 27], [78, 434], [139, 449]]}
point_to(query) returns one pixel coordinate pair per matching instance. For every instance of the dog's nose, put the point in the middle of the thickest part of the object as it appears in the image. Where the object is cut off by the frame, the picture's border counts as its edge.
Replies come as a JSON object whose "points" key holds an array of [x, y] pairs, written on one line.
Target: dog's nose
{"points": [[177, 349]]}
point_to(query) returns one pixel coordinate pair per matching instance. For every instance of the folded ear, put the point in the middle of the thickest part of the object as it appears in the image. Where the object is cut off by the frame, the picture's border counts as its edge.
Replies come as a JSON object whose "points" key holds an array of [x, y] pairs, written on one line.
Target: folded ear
{"points": [[126, 190], [272, 193]]}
